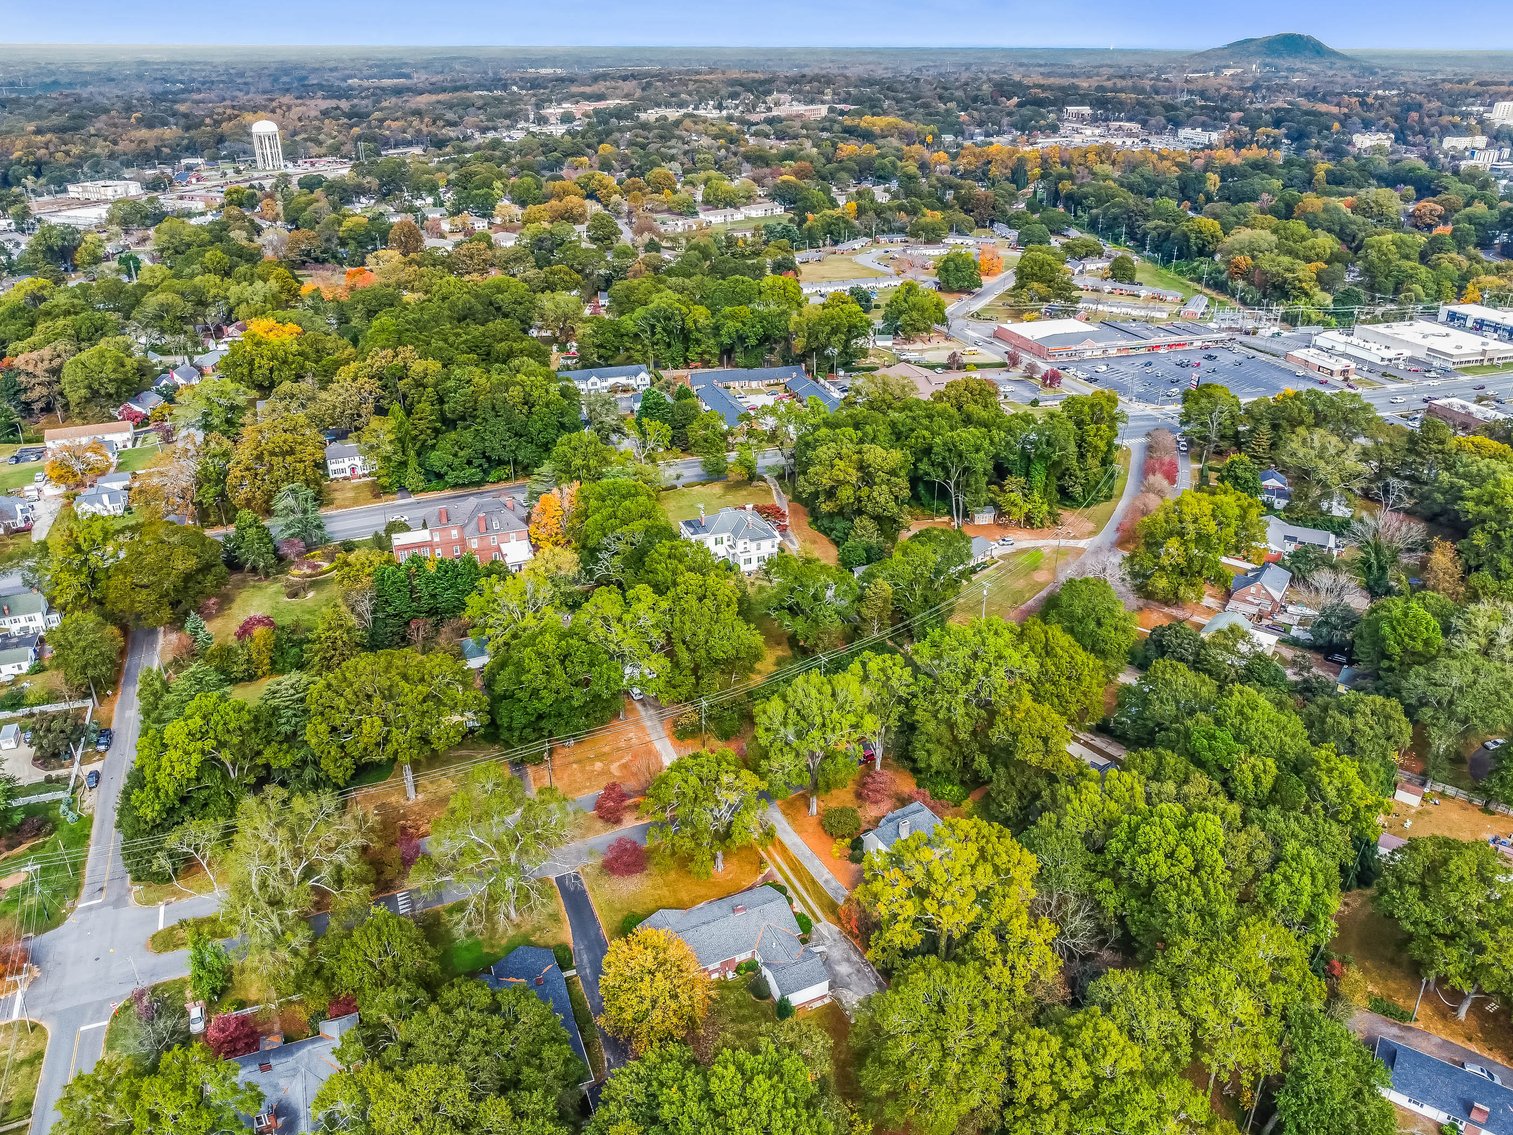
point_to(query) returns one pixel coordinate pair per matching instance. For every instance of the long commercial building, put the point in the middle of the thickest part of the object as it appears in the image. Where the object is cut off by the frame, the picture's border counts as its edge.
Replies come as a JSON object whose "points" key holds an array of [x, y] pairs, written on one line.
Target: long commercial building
{"points": [[1437, 342], [1070, 339], [1478, 318]]}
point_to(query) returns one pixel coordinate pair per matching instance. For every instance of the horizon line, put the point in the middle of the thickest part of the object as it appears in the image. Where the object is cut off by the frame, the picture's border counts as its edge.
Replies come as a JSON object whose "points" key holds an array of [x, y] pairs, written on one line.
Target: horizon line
{"points": [[1111, 48]]}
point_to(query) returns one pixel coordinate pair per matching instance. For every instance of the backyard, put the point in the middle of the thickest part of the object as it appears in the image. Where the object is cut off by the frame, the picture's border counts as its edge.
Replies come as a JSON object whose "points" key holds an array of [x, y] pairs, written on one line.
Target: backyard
{"points": [[683, 504], [463, 953], [1376, 947], [246, 595], [1019, 577]]}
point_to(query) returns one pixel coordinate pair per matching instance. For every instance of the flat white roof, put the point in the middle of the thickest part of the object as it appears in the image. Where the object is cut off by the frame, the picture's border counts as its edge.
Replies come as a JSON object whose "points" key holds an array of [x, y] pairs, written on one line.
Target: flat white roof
{"points": [[1321, 358], [1448, 341], [1037, 329], [1480, 311]]}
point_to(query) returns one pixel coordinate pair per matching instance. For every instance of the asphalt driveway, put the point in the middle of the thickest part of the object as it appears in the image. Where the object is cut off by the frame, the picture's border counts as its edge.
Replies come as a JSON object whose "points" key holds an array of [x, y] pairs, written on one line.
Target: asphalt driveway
{"points": [[589, 948]]}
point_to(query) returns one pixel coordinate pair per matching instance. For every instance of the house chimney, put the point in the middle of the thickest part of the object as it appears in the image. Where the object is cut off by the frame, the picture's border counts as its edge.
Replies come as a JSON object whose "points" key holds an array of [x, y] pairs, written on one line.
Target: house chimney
{"points": [[904, 827], [5, 608], [1479, 1113], [441, 515], [701, 512], [483, 525], [739, 908]]}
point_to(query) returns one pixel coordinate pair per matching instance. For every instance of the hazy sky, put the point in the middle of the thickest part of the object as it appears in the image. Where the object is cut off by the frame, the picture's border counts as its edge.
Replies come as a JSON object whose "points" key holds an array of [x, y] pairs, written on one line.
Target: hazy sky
{"points": [[921, 23]]}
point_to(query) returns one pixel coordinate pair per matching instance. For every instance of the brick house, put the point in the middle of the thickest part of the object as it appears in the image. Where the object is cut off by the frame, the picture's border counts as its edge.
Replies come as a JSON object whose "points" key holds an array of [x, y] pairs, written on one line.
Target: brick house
{"points": [[494, 530], [1260, 593]]}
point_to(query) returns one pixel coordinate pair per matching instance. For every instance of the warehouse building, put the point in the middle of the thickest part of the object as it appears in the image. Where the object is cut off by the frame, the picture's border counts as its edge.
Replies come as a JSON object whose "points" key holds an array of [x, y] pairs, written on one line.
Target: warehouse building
{"points": [[1437, 342]]}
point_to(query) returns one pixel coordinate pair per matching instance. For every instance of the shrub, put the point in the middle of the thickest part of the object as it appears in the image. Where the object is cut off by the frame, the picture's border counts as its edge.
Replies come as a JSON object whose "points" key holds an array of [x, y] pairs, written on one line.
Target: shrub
{"points": [[1156, 483], [750, 965], [841, 823], [610, 807], [342, 1006], [806, 924], [1161, 443], [564, 955], [624, 858], [291, 549], [1389, 1009], [784, 1009], [231, 1034], [857, 851], [728, 718], [251, 625], [687, 726], [409, 848], [1163, 467], [756, 985], [876, 789], [939, 789]]}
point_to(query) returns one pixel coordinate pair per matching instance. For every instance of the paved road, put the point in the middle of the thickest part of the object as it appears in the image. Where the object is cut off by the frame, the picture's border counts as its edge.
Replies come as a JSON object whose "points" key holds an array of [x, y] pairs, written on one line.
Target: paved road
{"points": [[589, 948], [94, 960]]}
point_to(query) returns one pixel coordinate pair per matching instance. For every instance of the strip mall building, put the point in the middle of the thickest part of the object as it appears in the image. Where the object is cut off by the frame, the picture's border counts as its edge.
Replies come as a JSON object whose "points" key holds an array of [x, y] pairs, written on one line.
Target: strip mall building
{"points": [[1066, 340]]}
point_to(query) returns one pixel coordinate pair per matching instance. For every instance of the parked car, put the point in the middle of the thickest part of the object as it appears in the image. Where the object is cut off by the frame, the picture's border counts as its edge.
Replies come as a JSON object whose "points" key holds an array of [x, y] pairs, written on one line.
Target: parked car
{"points": [[1337, 658], [868, 754], [636, 694], [1492, 744], [1004, 542], [1181, 445], [1101, 367], [1210, 358], [103, 740], [1298, 374], [92, 778], [1483, 1071]]}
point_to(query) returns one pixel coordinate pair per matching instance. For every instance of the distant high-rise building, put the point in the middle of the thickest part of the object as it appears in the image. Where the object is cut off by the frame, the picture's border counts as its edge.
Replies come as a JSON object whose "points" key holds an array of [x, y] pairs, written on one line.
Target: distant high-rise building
{"points": [[267, 149], [1502, 113]]}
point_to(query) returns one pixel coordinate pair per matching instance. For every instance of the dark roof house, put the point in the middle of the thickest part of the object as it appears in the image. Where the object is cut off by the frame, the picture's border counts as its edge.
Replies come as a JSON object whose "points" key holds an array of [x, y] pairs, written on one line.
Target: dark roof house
{"points": [[754, 924], [1444, 1092], [289, 1076], [536, 969]]}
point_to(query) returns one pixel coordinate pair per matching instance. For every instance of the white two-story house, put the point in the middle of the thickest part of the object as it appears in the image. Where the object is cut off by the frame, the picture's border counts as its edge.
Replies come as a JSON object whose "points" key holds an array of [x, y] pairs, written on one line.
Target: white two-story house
{"points": [[739, 535]]}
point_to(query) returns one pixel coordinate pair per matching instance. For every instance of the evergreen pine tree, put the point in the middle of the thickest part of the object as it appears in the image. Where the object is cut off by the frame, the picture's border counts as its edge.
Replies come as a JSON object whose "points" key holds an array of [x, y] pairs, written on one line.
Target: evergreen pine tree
{"points": [[195, 628]]}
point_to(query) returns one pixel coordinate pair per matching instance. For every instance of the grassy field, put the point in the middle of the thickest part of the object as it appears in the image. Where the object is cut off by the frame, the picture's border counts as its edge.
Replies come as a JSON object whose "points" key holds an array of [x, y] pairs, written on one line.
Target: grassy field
{"points": [[23, 1044], [683, 504], [623, 903], [837, 268], [1012, 586], [247, 595], [38, 903]]}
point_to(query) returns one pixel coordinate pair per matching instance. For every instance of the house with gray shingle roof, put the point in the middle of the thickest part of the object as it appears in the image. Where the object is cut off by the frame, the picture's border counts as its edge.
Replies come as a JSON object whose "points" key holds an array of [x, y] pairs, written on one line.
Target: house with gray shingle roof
{"points": [[738, 535], [102, 500], [290, 1075], [26, 612], [912, 819], [754, 925], [536, 969], [1444, 1092], [1260, 592]]}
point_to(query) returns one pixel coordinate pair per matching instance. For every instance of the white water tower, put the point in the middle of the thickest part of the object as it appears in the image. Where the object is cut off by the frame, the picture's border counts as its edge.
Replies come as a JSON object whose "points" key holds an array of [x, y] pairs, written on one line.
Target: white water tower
{"points": [[267, 149]]}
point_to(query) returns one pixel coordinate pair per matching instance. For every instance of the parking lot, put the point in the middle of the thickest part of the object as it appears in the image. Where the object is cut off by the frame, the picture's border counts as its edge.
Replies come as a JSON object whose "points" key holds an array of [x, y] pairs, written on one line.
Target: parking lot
{"points": [[1245, 374]]}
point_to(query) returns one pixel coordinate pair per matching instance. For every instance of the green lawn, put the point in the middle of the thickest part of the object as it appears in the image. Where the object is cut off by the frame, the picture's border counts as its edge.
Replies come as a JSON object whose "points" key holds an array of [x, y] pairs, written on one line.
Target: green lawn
{"points": [[1009, 587], [463, 954], [736, 1017], [683, 504], [1498, 368], [138, 458], [22, 1044], [15, 476], [176, 936], [837, 268], [246, 595], [40, 901]]}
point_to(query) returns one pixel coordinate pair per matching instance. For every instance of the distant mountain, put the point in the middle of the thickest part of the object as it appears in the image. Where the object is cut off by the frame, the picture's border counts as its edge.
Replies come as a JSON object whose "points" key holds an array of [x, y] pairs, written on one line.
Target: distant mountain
{"points": [[1288, 49]]}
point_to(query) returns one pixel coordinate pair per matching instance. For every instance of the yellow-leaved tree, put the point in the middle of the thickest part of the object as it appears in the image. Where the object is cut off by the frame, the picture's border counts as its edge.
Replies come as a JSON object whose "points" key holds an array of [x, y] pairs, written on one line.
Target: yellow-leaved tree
{"points": [[653, 987]]}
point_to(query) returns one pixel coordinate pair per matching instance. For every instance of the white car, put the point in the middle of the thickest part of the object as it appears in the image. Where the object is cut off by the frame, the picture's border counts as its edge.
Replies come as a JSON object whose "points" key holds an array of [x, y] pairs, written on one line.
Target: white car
{"points": [[1399, 400], [1432, 382], [1484, 1072], [1101, 367], [1298, 374]]}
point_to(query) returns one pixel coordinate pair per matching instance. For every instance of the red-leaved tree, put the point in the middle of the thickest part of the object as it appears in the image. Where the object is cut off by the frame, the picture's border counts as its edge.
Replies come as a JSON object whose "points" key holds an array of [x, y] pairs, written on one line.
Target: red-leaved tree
{"points": [[612, 802], [231, 1034], [624, 857], [251, 624]]}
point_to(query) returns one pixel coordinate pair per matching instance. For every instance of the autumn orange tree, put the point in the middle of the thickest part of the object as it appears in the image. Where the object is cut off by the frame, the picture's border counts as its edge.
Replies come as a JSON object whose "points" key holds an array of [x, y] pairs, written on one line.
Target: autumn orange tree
{"points": [[548, 527], [989, 261], [74, 463]]}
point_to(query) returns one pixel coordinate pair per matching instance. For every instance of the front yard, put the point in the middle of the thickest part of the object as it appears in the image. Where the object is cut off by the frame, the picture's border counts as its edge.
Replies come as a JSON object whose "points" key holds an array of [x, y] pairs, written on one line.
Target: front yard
{"points": [[683, 504], [40, 879], [624, 903], [23, 1044]]}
